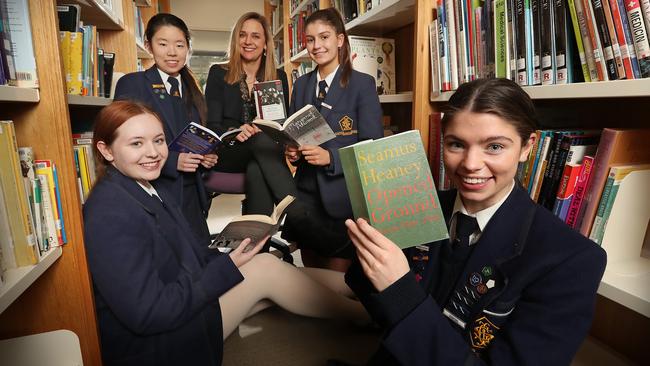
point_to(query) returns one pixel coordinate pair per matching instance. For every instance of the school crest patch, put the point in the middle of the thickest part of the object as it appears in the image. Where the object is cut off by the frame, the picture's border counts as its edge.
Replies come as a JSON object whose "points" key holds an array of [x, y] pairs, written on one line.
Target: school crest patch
{"points": [[482, 333], [346, 123]]}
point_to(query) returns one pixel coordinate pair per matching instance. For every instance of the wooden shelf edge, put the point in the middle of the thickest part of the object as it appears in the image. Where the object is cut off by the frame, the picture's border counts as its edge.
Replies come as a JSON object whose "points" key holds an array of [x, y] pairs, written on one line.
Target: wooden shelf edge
{"points": [[15, 94], [631, 290], [143, 3], [300, 57], [299, 8], [403, 97], [600, 89], [278, 31], [142, 51], [81, 100], [18, 280], [95, 13]]}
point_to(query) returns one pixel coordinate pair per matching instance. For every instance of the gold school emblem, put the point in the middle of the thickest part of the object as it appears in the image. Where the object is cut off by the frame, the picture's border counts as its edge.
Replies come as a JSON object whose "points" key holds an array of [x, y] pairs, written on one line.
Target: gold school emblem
{"points": [[158, 86], [483, 333], [346, 124]]}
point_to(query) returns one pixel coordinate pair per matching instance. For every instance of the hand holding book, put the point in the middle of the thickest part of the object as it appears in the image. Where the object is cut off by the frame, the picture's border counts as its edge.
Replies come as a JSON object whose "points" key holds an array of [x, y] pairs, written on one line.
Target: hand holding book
{"points": [[201, 140], [305, 127]]}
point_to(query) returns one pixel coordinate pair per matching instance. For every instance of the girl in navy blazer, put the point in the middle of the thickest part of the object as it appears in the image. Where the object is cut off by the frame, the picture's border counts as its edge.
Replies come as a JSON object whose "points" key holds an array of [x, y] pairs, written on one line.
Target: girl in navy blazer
{"points": [[348, 100], [517, 289], [231, 105], [162, 297], [169, 88]]}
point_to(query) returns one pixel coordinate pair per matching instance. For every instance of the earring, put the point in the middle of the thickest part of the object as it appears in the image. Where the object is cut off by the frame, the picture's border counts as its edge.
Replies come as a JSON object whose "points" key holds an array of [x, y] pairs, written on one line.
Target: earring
{"points": [[265, 52]]}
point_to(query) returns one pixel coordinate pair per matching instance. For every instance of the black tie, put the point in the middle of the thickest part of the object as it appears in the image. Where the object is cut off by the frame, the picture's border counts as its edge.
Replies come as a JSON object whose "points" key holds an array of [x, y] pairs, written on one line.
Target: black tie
{"points": [[174, 91], [322, 92], [465, 226]]}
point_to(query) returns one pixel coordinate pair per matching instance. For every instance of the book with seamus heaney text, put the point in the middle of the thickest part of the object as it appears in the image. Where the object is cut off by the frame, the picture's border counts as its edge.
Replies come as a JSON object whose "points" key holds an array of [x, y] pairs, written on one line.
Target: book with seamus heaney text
{"points": [[390, 185]]}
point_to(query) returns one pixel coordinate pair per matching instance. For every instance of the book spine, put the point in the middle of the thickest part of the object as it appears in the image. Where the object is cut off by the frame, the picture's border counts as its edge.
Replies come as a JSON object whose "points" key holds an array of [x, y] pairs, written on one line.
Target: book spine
{"points": [[586, 40], [590, 21], [629, 39], [561, 45], [640, 36], [547, 43], [579, 191], [616, 49], [452, 42], [579, 43], [620, 37], [22, 47], [500, 39], [512, 41], [596, 227], [352, 176], [605, 39], [522, 78], [535, 30]]}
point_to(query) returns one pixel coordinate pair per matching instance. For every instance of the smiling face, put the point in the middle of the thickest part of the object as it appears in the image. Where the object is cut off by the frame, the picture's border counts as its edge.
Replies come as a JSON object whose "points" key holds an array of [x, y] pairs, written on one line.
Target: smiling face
{"points": [[323, 45], [252, 41], [481, 154], [169, 49], [139, 150]]}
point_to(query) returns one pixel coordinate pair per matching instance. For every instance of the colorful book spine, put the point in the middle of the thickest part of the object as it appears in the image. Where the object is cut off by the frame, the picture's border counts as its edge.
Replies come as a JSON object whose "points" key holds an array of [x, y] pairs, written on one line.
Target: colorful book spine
{"points": [[581, 48], [566, 190], [640, 36], [616, 49], [620, 37], [20, 29], [629, 40], [579, 191]]}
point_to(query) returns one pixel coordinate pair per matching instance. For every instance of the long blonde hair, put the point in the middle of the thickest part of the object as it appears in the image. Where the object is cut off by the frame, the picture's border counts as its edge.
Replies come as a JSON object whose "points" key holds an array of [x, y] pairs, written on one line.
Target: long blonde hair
{"points": [[234, 67]]}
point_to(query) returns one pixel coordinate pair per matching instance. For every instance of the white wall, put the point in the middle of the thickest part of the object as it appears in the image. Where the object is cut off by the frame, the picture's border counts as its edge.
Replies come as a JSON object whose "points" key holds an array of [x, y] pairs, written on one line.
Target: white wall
{"points": [[211, 20]]}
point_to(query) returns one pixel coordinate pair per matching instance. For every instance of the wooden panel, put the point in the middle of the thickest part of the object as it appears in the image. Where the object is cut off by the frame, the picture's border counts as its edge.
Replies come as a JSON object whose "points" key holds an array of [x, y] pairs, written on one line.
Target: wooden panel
{"points": [[122, 42], [403, 57], [422, 78], [62, 297]]}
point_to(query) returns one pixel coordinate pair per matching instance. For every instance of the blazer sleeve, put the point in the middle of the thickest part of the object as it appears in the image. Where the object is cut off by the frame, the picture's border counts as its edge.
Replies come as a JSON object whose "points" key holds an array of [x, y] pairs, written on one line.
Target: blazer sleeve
{"points": [[554, 313], [369, 114], [215, 98], [131, 87], [120, 239]]}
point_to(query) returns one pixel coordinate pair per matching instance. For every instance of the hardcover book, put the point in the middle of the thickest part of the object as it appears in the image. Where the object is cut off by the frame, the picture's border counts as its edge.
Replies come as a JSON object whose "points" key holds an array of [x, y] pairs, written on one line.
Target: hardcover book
{"points": [[269, 100], [255, 227], [375, 57], [199, 139], [390, 185], [305, 127]]}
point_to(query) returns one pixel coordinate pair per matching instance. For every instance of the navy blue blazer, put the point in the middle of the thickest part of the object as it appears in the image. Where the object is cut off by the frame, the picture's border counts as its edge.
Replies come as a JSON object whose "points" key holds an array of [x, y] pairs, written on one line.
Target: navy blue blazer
{"points": [[156, 286], [538, 311], [224, 100], [147, 87], [359, 102]]}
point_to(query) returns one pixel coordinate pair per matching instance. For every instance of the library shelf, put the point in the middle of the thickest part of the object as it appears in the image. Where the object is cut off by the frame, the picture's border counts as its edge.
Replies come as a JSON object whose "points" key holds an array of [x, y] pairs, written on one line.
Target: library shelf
{"points": [[601, 89], [142, 51], [81, 100], [301, 56], [388, 16], [278, 31], [19, 279], [95, 13], [59, 347], [142, 3], [403, 97], [300, 7], [626, 282], [281, 66], [15, 94]]}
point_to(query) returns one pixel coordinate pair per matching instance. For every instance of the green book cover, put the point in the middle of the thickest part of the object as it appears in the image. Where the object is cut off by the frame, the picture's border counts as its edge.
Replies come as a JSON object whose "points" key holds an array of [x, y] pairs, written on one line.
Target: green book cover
{"points": [[390, 184], [501, 38]]}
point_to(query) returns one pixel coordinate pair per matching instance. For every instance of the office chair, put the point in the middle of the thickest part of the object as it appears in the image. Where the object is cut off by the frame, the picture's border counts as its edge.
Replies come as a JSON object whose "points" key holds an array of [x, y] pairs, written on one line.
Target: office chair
{"points": [[217, 183]]}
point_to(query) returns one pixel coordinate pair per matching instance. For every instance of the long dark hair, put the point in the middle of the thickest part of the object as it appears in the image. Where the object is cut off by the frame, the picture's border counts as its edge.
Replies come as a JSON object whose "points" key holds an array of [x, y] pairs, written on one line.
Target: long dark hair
{"points": [[195, 96], [500, 97], [332, 17], [235, 68], [108, 120]]}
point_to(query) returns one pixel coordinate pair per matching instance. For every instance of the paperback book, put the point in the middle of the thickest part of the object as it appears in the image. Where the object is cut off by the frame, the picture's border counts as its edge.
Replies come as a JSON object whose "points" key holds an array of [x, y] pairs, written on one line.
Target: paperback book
{"points": [[305, 127], [269, 100], [199, 139], [390, 185], [255, 227]]}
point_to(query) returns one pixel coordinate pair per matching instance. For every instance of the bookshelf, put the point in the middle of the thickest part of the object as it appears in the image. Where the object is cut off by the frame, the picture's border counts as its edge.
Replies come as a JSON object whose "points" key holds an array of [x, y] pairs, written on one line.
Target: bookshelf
{"points": [[22, 95], [57, 292]]}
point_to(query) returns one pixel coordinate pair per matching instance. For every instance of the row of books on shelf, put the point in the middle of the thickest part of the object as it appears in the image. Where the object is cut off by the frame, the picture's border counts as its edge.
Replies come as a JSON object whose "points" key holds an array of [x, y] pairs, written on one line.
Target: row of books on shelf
{"points": [[575, 174], [17, 61], [539, 42], [88, 69], [351, 9], [84, 160], [297, 39], [31, 219], [277, 18]]}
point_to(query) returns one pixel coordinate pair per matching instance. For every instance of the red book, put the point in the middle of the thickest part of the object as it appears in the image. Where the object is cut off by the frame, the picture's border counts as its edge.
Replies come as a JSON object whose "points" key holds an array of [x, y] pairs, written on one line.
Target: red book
{"points": [[579, 191]]}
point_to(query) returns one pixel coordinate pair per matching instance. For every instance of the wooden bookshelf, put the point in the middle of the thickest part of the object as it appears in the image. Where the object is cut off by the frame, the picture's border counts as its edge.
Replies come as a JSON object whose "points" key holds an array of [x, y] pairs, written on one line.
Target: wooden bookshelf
{"points": [[94, 12], [14, 94], [406, 97], [79, 100], [388, 16]]}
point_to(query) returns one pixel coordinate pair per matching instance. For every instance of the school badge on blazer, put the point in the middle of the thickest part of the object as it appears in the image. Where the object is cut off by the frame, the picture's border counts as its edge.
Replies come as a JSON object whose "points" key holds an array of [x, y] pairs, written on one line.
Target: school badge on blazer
{"points": [[346, 123], [159, 89], [482, 333]]}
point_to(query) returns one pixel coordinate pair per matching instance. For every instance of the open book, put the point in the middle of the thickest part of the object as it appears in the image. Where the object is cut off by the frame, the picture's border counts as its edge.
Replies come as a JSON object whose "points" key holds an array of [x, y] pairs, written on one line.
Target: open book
{"points": [[305, 127], [201, 140], [254, 227]]}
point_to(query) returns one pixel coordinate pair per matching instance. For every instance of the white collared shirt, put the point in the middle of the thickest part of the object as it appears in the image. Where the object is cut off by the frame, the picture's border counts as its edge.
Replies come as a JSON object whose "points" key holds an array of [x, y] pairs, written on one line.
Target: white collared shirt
{"points": [[150, 190], [328, 79], [482, 217], [164, 76]]}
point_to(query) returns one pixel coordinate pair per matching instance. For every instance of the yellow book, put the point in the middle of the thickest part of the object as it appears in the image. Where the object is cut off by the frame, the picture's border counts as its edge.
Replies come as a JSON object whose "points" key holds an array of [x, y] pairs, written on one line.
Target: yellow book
{"points": [[44, 167], [25, 249], [83, 170], [76, 63], [64, 44]]}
